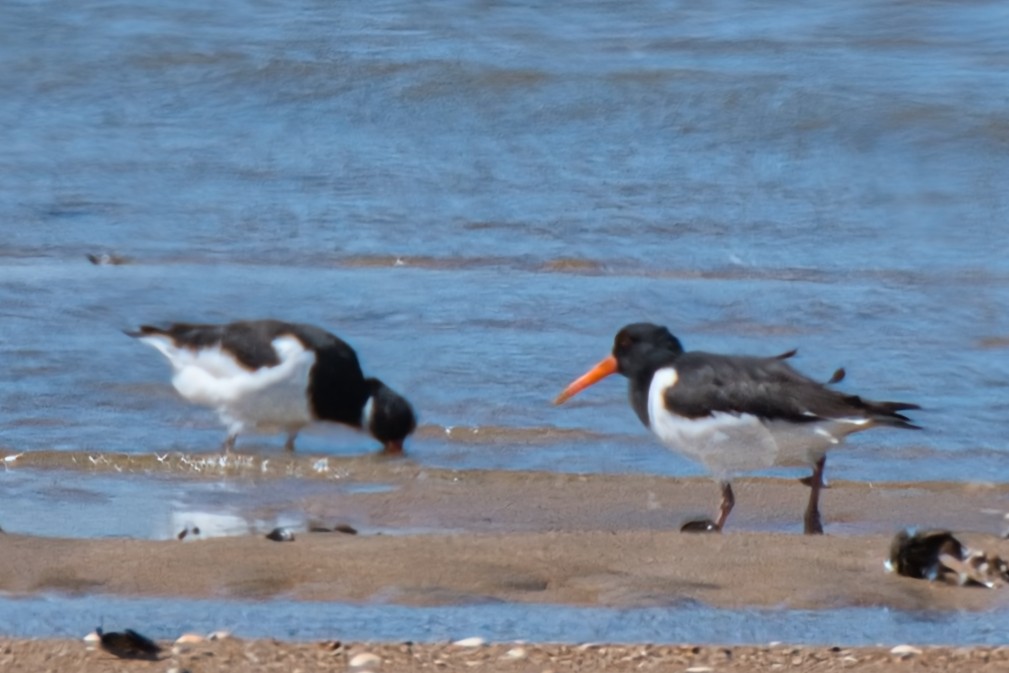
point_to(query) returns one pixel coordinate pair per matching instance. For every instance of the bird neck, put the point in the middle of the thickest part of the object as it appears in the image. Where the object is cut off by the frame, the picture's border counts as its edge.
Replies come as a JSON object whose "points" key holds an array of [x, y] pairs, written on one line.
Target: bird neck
{"points": [[640, 370]]}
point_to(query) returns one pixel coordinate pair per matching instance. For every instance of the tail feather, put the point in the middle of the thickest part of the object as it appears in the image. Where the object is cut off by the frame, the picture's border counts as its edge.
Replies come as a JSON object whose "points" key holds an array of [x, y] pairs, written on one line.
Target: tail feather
{"points": [[895, 406], [144, 330], [888, 413]]}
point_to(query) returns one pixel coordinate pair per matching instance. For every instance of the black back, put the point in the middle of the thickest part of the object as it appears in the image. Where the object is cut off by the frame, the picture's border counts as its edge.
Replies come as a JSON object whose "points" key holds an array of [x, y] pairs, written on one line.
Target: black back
{"points": [[249, 341], [764, 387]]}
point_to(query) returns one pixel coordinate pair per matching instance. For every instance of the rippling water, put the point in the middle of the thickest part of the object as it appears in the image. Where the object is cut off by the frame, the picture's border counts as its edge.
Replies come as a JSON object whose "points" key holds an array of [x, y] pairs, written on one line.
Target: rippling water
{"points": [[685, 621], [477, 195]]}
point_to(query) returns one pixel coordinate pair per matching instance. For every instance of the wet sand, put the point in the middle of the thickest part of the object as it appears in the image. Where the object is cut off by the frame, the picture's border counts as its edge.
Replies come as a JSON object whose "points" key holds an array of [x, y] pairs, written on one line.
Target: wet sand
{"points": [[596, 540], [432, 537]]}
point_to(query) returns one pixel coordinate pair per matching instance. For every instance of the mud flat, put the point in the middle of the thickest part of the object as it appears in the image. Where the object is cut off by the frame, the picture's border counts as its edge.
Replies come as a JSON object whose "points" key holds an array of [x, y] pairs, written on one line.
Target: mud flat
{"points": [[539, 539]]}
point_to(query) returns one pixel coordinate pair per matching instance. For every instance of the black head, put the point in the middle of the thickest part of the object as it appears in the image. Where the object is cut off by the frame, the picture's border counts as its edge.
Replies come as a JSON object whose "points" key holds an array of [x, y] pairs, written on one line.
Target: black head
{"points": [[637, 350], [635, 341], [391, 418]]}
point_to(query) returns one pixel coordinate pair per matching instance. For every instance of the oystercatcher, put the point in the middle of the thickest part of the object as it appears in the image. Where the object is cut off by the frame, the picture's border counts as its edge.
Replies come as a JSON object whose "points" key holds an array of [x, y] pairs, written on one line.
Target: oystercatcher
{"points": [[736, 414], [271, 376]]}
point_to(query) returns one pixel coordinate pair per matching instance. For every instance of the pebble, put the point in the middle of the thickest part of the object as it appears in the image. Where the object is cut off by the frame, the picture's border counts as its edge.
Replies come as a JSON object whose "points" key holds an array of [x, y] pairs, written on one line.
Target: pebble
{"points": [[905, 651], [280, 535], [128, 644], [475, 641], [516, 653], [189, 639], [185, 642], [107, 259], [92, 640], [700, 669], [365, 659]]}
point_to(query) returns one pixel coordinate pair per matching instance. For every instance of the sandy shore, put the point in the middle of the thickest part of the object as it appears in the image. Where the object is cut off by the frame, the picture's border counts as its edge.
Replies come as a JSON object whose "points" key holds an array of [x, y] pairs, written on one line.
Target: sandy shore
{"points": [[27, 656], [626, 569], [543, 538], [538, 538]]}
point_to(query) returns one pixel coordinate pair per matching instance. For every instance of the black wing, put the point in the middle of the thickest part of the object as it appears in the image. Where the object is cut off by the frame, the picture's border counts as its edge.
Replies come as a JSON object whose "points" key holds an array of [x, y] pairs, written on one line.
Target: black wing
{"points": [[251, 341], [767, 388]]}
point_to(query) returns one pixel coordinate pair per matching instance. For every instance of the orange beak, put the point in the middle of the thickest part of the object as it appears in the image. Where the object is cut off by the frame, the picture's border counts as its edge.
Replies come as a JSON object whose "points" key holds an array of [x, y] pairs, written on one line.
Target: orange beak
{"points": [[594, 375]]}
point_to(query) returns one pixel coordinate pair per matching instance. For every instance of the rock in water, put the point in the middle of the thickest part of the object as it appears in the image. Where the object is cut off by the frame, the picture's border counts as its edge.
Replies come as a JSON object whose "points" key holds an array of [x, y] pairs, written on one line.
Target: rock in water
{"points": [[128, 644]]}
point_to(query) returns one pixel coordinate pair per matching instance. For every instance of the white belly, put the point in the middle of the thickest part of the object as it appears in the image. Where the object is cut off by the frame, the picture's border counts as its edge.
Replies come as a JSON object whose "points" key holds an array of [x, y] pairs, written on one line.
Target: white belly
{"points": [[728, 443], [268, 398]]}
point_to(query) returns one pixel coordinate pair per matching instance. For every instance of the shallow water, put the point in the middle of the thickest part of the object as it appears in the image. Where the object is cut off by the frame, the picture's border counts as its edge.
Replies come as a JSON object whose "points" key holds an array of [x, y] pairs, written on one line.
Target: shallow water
{"points": [[58, 503], [477, 195], [686, 622]]}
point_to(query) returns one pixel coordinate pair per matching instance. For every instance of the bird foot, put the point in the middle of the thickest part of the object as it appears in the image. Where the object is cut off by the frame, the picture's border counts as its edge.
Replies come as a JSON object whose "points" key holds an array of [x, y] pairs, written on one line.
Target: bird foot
{"points": [[700, 526], [812, 525]]}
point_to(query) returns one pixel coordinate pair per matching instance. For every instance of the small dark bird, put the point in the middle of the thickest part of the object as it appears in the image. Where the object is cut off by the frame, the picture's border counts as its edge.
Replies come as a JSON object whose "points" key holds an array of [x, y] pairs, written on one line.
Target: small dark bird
{"points": [[916, 554], [273, 376], [734, 413], [280, 535], [128, 645], [107, 259], [937, 555]]}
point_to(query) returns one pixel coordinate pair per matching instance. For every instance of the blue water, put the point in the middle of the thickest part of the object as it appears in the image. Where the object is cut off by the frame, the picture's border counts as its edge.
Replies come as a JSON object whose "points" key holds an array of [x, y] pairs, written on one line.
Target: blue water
{"points": [[478, 195], [55, 615], [757, 177]]}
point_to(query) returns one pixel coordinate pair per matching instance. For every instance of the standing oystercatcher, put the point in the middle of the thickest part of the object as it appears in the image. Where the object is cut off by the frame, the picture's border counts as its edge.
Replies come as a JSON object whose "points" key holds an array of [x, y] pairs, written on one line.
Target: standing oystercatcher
{"points": [[736, 413], [274, 376]]}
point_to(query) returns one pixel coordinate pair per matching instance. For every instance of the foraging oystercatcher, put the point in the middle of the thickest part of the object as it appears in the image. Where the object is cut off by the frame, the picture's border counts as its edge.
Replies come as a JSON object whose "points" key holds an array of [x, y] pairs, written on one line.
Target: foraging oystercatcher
{"points": [[269, 375], [736, 413]]}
